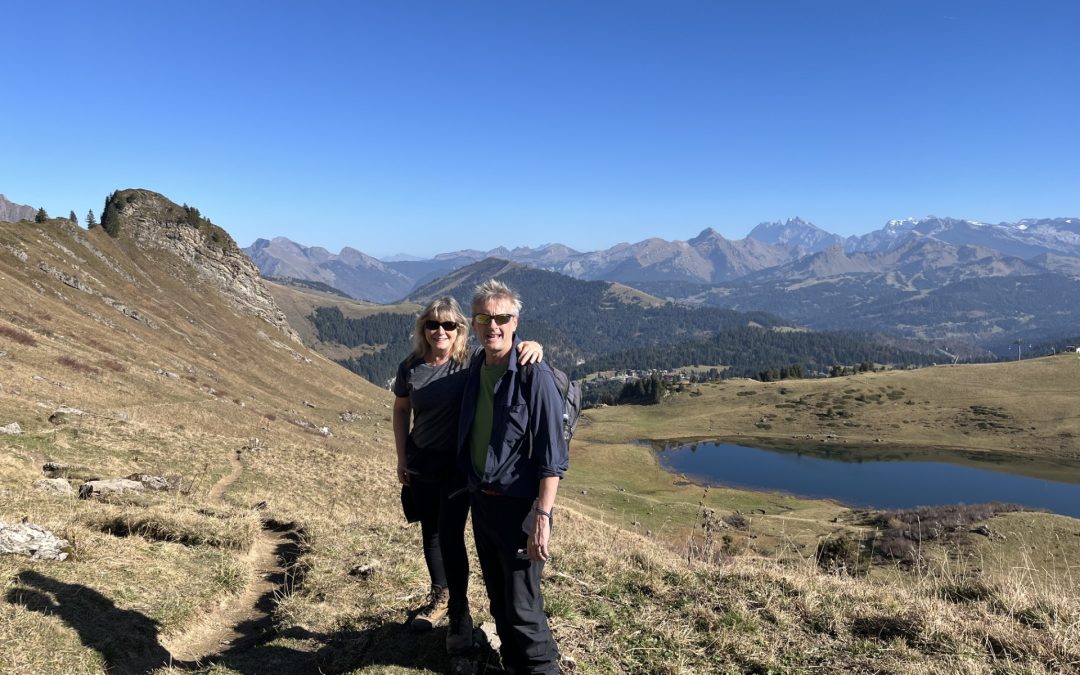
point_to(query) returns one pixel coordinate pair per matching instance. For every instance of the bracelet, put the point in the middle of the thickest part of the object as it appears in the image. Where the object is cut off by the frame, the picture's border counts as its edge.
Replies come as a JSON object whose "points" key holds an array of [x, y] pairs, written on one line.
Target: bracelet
{"points": [[542, 512]]}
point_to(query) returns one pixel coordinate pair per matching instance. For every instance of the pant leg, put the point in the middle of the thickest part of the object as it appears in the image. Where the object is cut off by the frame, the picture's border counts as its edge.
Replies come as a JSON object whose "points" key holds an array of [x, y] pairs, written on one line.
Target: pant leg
{"points": [[453, 513], [528, 645], [487, 548], [426, 496]]}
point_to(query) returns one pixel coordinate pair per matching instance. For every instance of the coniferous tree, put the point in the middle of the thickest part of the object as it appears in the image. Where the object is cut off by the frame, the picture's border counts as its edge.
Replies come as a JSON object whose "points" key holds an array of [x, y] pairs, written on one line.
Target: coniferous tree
{"points": [[91, 221], [73, 218], [41, 216], [110, 219]]}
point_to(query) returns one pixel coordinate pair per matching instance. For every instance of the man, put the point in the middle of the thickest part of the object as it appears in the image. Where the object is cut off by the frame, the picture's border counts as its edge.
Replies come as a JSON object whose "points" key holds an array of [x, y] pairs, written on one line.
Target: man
{"points": [[511, 448]]}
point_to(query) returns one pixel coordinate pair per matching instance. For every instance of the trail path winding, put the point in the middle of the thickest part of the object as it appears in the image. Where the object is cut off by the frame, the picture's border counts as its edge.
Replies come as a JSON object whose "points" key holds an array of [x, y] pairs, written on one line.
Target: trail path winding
{"points": [[243, 621]]}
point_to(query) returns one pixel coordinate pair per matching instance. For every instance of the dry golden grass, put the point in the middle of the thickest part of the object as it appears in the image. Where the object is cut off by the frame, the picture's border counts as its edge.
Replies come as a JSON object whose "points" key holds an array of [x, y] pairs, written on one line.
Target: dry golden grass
{"points": [[241, 419]]}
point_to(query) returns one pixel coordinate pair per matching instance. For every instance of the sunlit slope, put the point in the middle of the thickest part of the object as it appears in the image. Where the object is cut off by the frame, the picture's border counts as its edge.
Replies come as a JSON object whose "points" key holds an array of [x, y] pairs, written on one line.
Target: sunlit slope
{"points": [[1027, 408]]}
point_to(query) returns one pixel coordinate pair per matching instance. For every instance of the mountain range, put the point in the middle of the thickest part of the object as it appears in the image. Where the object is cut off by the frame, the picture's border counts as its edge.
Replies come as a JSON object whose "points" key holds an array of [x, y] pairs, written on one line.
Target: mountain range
{"points": [[794, 246], [895, 279]]}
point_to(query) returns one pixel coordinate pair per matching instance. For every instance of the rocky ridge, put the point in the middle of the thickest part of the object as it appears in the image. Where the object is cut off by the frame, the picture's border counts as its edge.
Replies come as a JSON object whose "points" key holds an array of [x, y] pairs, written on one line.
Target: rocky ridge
{"points": [[154, 222]]}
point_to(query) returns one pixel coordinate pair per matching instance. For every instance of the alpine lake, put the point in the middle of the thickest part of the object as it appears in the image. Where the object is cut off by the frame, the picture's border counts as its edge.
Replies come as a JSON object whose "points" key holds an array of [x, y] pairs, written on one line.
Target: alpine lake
{"points": [[880, 478]]}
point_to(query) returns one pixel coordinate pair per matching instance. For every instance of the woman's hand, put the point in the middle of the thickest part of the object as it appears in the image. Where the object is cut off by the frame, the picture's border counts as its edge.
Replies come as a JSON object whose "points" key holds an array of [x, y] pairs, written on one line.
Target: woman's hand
{"points": [[402, 474], [530, 352]]}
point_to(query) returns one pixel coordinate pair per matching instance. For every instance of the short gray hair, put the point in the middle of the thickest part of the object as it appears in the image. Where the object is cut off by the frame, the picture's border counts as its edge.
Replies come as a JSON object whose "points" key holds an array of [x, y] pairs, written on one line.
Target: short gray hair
{"points": [[492, 289]]}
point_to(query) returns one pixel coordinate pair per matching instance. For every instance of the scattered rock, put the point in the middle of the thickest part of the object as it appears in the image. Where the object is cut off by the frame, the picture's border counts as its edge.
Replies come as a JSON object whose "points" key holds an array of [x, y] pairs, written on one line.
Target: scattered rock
{"points": [[112, 486], [262, 506], [489, 636], [325, 431], [309, 404], [61, 414], [168, 374], [12, 429], [350, 416], [58, 470], [988, 533], [158, 483], [32, 541], [54, 486], [364, 571], [53, 469]]}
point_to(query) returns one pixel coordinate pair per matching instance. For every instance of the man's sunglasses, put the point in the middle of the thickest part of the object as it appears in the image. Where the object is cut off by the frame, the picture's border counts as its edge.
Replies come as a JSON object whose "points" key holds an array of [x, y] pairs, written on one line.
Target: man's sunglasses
{"points": [[485, 319], [447, 326]]}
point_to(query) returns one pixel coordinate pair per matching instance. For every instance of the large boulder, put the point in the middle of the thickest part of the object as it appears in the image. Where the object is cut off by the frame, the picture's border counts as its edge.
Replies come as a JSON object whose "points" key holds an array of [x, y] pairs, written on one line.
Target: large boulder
{"points": [[112, 486], [33, 541], [12, 429], [54, 486]]}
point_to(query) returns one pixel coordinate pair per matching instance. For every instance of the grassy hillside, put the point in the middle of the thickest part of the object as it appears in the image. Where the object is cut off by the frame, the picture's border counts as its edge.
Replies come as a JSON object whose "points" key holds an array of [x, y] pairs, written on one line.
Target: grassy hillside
{"points": [[286, 551], [299, 305]]}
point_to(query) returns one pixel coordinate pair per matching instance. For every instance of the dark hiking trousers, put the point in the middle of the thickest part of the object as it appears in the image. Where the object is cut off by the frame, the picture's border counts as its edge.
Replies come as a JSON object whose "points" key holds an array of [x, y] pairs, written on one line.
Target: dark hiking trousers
{"points": [[513, 583], [442, 525]]}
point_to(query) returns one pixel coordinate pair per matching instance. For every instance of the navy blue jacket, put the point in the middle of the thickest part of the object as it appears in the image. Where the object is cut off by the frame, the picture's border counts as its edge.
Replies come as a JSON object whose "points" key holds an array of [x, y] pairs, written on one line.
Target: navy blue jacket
{"points": [[514, 466]]}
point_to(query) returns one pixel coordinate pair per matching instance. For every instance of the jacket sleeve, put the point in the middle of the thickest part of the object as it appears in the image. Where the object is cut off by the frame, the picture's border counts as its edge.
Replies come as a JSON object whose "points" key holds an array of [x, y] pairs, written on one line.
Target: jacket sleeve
{"points": [[546, 407]]}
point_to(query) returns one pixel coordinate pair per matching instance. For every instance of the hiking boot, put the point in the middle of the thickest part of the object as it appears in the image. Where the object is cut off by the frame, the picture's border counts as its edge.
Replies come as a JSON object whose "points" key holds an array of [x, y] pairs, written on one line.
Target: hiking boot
{"points": [[459, 639], [434, 612]]}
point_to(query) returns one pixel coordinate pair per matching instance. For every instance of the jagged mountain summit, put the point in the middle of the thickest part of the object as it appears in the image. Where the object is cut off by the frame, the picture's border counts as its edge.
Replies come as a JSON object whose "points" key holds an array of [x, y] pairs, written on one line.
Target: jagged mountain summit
{"points": [[1024, 239], [796, 233], [356, 273], [10, 212]]}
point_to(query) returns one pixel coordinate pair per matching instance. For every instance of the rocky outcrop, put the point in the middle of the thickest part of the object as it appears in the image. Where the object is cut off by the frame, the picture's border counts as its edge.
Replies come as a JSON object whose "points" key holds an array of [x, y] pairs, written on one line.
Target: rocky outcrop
{"points": [[154, 222], [11, 212]]}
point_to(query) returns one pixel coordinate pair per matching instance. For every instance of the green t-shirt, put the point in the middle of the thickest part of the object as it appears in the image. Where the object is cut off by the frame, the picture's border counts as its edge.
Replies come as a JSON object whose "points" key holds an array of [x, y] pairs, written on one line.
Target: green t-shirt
{"points": [[481, 428]]}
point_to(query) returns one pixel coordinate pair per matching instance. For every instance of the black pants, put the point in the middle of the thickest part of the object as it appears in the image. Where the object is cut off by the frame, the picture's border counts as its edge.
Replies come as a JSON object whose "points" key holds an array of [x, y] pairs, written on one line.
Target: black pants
{"points": [[442, 525], [513, 583]]}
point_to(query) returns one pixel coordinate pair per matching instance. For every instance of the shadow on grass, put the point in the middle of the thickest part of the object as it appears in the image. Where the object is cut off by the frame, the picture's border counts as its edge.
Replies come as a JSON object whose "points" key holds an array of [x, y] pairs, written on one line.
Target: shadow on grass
{"points": [[129, 643], [126, 639]]}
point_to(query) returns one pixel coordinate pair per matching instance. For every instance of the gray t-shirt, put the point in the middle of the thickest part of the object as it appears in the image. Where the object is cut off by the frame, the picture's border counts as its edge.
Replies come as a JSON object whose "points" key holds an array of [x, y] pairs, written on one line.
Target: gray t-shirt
{"points": [[435, 396]]}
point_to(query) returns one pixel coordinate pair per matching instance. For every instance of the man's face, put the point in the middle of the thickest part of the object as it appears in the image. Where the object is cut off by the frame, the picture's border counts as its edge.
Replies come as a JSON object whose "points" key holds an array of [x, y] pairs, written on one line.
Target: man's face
{"points": [[495, 339]]}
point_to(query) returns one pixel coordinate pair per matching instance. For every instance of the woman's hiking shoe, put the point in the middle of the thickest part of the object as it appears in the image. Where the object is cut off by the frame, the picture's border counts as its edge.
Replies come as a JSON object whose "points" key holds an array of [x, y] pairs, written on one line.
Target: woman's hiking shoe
{"points": [[434, 612], [459, 638]]}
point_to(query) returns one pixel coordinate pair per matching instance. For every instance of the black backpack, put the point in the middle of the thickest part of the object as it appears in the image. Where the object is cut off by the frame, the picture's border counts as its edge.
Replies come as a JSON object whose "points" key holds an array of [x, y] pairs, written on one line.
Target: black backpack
{"points": [[569, 391]]}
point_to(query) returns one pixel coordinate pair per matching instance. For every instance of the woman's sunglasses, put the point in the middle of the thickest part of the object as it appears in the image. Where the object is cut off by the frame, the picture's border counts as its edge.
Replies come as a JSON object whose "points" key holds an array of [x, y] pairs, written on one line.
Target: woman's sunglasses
{"points": [[447, 326]]}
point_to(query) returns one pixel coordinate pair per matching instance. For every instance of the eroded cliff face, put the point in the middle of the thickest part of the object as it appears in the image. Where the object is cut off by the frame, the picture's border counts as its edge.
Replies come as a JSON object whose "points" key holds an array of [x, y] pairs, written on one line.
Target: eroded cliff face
{"points": [[10, 212], [154, 222]]}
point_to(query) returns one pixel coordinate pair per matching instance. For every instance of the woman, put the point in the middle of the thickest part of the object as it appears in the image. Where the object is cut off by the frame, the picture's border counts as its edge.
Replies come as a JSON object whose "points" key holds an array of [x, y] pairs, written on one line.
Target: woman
{"points": [[429, 385]]}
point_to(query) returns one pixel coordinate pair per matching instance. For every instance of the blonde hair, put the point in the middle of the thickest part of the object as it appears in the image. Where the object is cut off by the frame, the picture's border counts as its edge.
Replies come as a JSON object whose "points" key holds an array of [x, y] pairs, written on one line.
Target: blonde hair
{"points": [[443, 309], [491, 289]]}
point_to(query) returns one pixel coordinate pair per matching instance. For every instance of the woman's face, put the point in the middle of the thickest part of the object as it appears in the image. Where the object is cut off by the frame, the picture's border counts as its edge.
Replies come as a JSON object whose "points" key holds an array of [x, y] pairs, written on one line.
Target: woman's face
{"points": [[438, 336]]}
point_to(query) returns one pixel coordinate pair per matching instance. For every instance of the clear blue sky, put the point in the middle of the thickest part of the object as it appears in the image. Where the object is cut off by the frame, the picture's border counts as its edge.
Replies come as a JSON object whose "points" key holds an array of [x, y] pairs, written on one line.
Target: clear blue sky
{"points": [[425, 127]]}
